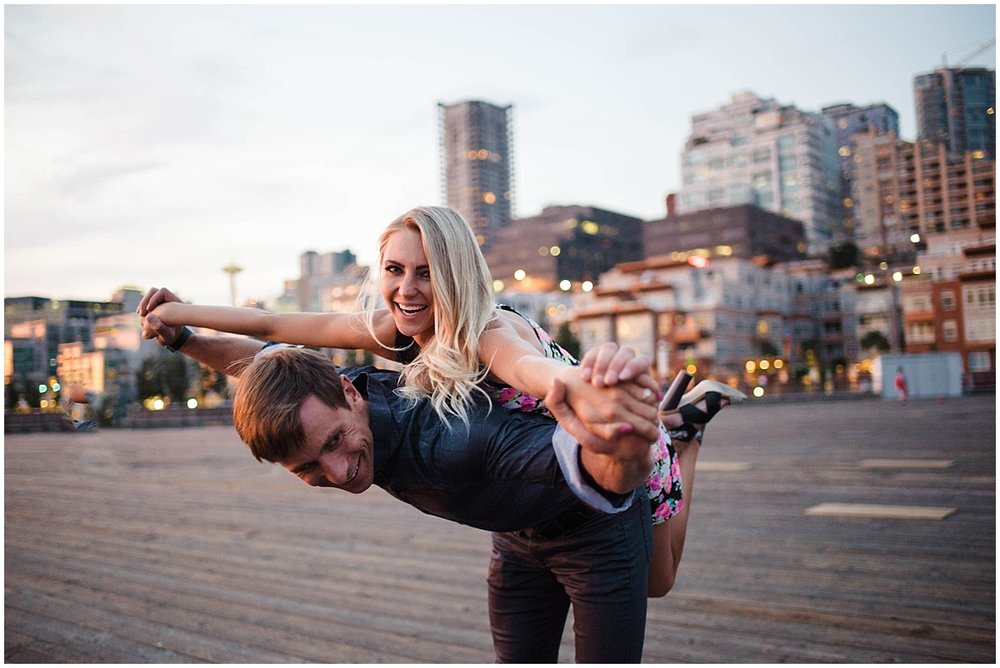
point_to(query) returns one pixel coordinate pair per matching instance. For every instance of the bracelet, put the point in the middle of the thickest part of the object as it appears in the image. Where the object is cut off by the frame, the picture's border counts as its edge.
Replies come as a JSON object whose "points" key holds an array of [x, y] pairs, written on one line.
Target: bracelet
{"points": [[180, 340]]}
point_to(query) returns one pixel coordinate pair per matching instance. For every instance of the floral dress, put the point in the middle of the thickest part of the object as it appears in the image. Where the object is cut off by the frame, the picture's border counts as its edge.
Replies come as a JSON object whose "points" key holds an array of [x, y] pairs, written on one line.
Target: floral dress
{"points": [[663, 484]]}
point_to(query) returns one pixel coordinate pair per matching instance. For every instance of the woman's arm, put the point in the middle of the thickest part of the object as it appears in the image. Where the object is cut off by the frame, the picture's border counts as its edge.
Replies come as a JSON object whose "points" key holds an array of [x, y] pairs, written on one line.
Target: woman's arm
{"points": [[331, 330], [514, 356]]}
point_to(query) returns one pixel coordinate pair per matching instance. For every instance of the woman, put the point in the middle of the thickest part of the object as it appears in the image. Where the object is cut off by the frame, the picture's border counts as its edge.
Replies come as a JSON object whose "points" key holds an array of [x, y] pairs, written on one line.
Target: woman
{"points": [[440, 321]]}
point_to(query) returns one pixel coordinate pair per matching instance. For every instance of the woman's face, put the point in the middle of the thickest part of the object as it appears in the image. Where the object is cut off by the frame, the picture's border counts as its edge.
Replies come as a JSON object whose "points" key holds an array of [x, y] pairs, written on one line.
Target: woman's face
{"points": [[405, 284]]}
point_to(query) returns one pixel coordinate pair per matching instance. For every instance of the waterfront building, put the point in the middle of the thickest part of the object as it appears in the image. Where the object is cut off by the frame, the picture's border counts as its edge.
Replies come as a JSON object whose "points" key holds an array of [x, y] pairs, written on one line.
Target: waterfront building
{"points": [[950, 305], [744, 231], [562, 248]]}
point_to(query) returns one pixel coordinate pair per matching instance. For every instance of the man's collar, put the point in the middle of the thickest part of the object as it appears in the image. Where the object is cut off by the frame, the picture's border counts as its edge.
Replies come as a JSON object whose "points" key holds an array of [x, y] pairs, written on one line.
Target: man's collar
{"points": [[379, 416]]}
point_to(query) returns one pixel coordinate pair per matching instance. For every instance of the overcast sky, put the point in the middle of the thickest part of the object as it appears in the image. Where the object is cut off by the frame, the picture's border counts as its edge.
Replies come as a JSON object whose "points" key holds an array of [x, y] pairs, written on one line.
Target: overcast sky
{"points": [[152, 145]]}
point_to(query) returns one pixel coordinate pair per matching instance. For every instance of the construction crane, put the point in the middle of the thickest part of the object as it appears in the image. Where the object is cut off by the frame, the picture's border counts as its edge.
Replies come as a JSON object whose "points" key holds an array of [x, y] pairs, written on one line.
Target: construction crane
{"points": [[986, 45]]}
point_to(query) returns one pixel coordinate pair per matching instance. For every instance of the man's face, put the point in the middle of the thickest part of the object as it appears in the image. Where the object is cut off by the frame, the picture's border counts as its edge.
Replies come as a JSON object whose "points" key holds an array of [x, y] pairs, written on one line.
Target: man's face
{"points": [[338, 444]]}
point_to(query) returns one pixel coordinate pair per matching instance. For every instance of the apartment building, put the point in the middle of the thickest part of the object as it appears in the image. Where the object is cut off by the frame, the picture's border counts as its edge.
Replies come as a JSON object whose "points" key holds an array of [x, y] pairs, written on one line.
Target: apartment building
{"points": [[756, 151]]}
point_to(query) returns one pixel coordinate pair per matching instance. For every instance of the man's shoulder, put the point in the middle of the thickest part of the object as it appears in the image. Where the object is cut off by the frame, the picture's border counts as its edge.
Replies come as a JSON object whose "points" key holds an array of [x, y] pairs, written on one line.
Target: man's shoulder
{"points": [[381, 375]]}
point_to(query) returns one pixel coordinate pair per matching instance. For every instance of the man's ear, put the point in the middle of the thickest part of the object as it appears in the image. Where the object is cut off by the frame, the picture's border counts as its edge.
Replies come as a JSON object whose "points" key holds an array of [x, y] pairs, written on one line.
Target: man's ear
{"points": [[350, 392]]}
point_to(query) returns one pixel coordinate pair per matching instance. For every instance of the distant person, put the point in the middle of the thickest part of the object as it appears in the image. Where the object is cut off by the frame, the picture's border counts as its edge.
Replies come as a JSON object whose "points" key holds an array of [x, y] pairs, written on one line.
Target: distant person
{"points": [[900, 384]]}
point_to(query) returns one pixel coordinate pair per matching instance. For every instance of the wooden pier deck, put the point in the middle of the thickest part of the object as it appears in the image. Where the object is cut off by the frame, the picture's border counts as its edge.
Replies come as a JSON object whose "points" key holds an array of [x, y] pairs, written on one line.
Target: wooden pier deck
{"points": [[175, 545]]}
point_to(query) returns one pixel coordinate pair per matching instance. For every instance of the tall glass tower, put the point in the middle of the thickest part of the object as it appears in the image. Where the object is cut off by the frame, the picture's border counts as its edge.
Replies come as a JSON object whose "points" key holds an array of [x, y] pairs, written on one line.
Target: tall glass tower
{"points": [[477, 165], [955, 107]]}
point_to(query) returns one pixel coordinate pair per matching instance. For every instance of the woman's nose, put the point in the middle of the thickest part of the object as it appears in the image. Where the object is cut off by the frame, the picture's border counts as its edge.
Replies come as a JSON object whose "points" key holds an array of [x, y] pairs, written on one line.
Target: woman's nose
{"points": [[408, 285]]}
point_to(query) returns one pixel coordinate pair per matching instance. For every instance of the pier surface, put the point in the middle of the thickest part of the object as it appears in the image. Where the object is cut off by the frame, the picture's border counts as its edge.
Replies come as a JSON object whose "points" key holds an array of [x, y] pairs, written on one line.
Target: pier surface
{"points": [[841, 531]]}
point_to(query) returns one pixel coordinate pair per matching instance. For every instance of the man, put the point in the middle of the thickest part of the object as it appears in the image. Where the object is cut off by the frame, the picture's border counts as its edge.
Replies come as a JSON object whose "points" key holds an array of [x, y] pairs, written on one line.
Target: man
{"points": [[567, 527]]}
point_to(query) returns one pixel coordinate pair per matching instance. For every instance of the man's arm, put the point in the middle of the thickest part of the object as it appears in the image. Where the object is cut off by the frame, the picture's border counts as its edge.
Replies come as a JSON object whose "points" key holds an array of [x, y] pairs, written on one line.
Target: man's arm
{"points": [[617, 466], [228, 354]]}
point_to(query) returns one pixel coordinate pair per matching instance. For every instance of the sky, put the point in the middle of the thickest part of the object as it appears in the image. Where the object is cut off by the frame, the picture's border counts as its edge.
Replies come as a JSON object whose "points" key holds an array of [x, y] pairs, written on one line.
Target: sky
{"points": [[151, 145]]}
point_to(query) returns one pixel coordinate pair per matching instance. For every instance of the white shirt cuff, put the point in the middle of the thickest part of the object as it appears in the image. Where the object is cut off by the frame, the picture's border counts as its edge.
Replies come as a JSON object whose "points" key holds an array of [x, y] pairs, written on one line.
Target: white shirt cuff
{"points": [[567, 449]]}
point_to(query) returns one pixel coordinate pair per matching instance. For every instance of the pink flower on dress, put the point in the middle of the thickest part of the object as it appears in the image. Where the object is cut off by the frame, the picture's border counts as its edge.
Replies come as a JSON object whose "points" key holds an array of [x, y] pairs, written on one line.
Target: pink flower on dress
{"points": [[663, 512], [655, 483], [506, 394], [662, 450], [528, 403], [675, 470]]}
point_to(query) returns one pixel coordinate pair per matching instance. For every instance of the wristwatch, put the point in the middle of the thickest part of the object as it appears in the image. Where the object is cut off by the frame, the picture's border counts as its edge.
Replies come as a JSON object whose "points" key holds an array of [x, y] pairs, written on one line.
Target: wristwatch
{"points": [[180, 340]]}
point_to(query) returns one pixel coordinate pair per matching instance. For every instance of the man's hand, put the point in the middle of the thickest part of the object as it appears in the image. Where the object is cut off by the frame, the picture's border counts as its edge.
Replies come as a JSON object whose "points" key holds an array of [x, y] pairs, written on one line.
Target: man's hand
{"points": [[618, 465], [152, 326]]}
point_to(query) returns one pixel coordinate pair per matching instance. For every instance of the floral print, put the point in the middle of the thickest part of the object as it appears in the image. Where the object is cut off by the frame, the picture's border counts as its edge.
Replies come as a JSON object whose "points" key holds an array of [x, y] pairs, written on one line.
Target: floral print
{"points": [[663, 484]]}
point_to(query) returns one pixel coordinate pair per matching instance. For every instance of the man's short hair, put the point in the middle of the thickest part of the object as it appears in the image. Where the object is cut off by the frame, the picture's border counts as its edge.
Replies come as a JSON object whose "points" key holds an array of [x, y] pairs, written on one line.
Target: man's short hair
{"points": [[269, 396]]}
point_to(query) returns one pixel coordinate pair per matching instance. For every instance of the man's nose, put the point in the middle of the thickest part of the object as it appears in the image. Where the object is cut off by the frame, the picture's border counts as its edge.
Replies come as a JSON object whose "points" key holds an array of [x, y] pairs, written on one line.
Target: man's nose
{"points": [[334, 469]]}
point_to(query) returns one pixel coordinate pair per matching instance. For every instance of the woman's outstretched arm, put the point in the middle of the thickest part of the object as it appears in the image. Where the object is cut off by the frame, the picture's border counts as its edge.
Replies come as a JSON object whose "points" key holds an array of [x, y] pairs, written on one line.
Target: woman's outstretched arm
{"points": [[330, 330]]}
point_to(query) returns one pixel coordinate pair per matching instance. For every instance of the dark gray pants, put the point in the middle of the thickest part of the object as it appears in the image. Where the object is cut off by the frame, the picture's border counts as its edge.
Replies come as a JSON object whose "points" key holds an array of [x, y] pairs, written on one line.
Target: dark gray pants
{"points": [[601, 568]]}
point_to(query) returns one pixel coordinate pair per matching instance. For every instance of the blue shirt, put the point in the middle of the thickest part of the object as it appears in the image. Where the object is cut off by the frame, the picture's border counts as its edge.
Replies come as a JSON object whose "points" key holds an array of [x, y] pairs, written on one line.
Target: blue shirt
{"points": [[506, 471]]}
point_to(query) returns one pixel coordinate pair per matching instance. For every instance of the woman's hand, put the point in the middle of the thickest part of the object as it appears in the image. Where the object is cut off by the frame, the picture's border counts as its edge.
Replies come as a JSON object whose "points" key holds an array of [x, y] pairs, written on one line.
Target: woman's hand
{"points": [[609, 364], [609, 412]]}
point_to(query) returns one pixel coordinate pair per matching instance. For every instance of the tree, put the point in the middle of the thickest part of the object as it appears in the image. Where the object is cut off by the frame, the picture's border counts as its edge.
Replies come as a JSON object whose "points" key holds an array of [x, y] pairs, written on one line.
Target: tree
{"points": [[875, 339], [843, 255], [565, 338], [768, 348], [162, 375]]}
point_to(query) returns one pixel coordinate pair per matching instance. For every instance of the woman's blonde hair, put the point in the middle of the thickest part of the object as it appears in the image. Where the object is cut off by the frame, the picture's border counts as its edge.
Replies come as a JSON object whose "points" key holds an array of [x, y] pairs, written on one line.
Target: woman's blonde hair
{"points": [[447, 369]]}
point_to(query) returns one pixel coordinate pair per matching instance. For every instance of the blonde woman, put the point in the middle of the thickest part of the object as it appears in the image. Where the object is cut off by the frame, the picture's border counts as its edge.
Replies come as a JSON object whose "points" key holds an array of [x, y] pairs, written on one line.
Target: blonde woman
{"points": [[438, 319]]}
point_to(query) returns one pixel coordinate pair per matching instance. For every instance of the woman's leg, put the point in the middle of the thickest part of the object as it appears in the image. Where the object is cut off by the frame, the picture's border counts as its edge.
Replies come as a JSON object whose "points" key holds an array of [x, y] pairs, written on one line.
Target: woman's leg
{"points": [[669, 536]]}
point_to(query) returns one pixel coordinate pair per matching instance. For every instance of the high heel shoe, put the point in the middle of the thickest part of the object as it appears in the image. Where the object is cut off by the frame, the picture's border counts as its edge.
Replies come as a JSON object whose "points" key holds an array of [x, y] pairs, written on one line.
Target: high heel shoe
{"points": [[713, 393]]}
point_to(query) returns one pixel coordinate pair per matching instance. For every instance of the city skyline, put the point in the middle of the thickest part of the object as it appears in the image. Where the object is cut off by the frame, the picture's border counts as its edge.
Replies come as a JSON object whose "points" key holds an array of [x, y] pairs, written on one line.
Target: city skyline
{"points": [[155, 145]]}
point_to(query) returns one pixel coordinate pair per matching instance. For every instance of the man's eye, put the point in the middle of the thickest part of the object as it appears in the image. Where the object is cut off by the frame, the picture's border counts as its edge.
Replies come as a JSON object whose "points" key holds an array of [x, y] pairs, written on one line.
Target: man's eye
{"points": [[332, 443]]}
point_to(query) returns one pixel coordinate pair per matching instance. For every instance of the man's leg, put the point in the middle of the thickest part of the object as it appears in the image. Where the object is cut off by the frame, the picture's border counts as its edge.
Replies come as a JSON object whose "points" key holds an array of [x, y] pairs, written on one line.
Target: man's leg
{"points": [[528, 606], [603, 568]]}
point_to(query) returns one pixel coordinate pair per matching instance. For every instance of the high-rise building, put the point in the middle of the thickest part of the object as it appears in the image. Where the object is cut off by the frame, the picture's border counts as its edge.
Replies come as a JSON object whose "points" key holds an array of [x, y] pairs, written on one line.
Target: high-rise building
{"points": [[477, 164], [323, 274], [755, 151], [906, 188], [955, 107], [848, 120]]}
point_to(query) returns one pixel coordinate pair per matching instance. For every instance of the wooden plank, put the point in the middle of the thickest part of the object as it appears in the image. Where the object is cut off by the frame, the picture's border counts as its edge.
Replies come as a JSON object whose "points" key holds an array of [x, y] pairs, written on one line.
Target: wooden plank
{"points": [[721, 467], [882, 511], [906, 463]]}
